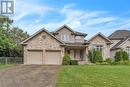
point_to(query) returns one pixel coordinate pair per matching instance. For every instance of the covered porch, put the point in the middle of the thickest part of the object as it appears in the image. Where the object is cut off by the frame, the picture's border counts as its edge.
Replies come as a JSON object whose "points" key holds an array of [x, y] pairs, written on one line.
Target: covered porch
{"points": [[76, 52]]}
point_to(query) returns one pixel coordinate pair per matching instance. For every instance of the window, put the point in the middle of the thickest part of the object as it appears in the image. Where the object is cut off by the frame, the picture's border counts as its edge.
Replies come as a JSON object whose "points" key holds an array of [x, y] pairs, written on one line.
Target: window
{"points": [[98, 47], [127, 49], [65, 37], [78, 37]]}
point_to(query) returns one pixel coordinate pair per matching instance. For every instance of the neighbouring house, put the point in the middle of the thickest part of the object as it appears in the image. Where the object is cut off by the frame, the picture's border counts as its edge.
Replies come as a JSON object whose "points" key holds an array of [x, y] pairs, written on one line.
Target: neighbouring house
{"points": [[121, 41], [48, 48]]}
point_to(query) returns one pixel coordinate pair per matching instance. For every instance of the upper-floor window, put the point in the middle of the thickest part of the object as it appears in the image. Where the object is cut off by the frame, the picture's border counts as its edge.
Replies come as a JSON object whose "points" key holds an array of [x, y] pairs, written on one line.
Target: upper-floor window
{"points": [[65, 37], [78, 37], [98, 47]]}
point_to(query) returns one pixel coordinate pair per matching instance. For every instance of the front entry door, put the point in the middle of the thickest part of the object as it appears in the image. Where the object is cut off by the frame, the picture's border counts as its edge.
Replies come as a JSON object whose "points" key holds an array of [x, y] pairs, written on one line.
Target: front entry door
{"points": [[77, 54]]}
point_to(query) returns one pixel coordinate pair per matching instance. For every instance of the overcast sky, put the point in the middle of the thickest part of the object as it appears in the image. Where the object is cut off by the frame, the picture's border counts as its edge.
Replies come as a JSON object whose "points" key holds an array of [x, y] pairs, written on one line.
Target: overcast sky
{"points": [[88, 16]]}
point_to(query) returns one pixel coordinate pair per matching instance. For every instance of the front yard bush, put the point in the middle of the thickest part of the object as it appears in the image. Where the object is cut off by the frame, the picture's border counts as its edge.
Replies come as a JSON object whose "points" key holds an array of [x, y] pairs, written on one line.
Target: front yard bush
{"points": [[121, 56], [90, 56], [109, 61], [95, 56], [73, 62], [125, 56], [66, 59], [98, 56]]}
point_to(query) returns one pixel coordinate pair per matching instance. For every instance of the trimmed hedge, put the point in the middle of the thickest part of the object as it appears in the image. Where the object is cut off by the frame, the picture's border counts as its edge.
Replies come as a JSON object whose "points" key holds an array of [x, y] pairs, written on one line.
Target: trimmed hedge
{"points": [[73, 62], [67, 60]]}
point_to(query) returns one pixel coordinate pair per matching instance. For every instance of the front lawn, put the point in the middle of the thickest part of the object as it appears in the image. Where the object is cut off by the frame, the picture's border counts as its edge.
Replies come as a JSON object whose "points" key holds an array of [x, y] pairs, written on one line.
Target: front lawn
{"points": [[94, 76], [5, 66]]}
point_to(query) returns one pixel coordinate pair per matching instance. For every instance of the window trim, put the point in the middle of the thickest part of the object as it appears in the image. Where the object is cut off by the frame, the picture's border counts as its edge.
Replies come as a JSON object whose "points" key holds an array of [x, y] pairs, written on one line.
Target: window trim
{"points": [[65, 37], [98, 47]]}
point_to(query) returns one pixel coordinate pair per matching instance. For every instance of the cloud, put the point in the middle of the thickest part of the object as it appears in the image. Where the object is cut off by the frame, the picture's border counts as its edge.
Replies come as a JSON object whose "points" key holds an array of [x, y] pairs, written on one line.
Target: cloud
{"points": [[24, 8], [93, 21], [87, 21]]}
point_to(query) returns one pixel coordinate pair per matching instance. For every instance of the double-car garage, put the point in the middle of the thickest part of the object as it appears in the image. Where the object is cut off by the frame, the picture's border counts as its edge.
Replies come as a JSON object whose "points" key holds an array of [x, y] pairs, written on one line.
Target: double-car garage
{"points": [[47, 57], [43, 48]]}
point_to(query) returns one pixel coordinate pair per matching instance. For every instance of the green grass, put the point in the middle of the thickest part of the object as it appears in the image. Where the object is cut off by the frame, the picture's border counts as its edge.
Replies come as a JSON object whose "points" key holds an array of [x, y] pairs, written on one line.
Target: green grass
{"points": [[5, 66], [94, 76]]}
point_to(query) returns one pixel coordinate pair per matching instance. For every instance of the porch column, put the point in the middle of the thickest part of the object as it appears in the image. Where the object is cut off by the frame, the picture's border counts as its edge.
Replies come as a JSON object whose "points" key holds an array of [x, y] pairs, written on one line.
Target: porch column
{"points": [[72, 54], [86, 54]]}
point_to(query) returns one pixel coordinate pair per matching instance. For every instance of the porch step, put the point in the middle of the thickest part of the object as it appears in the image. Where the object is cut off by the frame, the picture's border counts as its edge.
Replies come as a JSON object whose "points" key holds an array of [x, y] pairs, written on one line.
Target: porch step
{"points": [[82, 62]]}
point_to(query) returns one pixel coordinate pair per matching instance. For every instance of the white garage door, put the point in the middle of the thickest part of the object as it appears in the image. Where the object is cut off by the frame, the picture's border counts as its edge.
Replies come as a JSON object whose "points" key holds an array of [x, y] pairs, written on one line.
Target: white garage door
{"points": [[34, 57], [53, 58]]}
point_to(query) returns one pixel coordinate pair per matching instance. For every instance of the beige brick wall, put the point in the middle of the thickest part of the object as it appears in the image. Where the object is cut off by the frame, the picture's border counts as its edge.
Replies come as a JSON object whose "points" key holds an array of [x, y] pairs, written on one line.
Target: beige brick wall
{"points": [[71, 37], [42, 41], [101, 41]]}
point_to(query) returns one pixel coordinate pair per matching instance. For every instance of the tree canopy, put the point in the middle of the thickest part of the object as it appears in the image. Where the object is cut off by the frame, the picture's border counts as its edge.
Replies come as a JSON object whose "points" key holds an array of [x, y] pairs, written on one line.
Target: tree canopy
{"points": [[10, 38]]}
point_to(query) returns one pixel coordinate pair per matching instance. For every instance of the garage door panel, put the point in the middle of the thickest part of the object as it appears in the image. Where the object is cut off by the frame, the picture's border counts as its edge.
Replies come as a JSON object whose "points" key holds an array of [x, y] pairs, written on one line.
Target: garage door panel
{"points": [[53, 58], [35, 57]]}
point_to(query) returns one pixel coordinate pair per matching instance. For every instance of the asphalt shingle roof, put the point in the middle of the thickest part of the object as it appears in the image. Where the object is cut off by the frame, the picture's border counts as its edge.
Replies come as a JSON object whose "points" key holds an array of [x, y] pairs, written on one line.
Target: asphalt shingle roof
{"points": [[75, 32], [122, 35], [119, 34]]}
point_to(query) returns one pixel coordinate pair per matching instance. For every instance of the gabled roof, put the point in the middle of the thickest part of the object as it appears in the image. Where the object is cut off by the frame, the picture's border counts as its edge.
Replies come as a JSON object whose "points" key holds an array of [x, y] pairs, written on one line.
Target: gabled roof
{"points": [[119, 34], [122, 35], [100, 34], [66, 26], [79, 33], [120, 43], [42, 30], [73, 32]]}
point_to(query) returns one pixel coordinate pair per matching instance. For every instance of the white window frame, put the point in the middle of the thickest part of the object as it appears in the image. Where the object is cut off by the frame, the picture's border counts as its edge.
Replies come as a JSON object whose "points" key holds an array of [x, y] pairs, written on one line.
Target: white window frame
{"points": [[98, 47], [78, 37], [127, 49], [65, 37]]}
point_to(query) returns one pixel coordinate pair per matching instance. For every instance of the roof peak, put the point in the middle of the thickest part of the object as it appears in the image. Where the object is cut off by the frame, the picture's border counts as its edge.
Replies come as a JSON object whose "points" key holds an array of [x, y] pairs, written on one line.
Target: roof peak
{"points": [[73, 31], [102, 35]]}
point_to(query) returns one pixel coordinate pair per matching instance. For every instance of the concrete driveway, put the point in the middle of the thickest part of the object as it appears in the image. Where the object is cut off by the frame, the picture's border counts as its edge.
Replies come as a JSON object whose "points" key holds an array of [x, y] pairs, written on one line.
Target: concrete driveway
{"points": [[29, 76]]}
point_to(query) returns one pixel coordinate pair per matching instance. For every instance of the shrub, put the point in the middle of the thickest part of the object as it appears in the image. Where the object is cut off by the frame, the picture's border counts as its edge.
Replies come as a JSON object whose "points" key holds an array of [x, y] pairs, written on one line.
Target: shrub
{"points": [[102, 63], [118, 56], [98, 56], [109, 60], [95, 56], [73, 62], [123, 62], [114, 63], [121, 56], [66, 59], [125, 56], [90, 56]]}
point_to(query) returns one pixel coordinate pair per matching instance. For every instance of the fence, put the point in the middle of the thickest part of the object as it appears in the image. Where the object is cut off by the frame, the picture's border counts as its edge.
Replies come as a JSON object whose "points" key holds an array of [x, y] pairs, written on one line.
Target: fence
{"points": [[11, 60]]}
